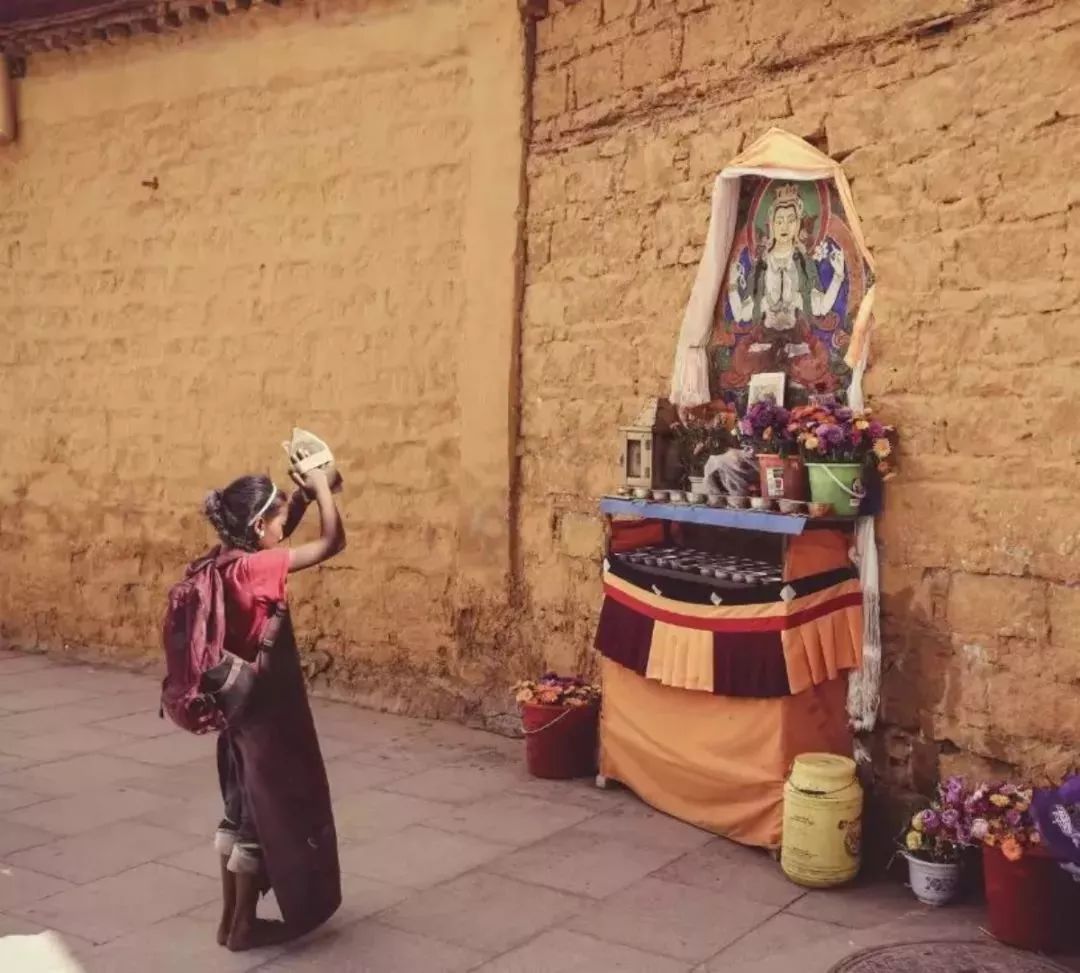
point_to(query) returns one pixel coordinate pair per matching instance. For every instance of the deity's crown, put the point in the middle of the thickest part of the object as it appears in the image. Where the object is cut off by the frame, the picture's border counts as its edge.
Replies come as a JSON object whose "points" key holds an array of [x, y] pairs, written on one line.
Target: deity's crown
{"points": [[788, 195]]}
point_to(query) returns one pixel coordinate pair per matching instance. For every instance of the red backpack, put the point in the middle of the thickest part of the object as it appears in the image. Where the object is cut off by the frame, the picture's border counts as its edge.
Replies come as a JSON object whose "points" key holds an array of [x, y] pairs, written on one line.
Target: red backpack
{"points": [[193, 636]]}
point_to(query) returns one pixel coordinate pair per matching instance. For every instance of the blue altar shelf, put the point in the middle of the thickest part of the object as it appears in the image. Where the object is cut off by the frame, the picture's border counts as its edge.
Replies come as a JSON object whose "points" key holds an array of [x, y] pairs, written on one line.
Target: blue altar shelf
{"points": [[759, 520]]}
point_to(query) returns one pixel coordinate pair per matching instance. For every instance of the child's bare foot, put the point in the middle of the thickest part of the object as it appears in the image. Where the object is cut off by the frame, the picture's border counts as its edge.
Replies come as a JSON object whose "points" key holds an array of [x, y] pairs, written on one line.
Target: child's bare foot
{"points": [[259, 934]]}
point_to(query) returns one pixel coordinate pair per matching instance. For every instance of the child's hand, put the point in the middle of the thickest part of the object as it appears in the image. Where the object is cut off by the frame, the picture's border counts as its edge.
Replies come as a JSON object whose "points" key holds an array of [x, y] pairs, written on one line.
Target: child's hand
{"points": [[315, 482], [330, 473], [301, 484]]}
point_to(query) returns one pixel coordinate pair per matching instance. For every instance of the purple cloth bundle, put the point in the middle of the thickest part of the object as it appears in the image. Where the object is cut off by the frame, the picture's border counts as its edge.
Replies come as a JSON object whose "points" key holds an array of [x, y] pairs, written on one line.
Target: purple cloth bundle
{"points": [[1057, 816]]}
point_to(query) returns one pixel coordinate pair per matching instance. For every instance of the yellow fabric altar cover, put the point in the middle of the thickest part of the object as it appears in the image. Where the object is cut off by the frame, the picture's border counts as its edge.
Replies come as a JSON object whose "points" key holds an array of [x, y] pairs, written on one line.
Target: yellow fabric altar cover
{"points": [[718, 762]]}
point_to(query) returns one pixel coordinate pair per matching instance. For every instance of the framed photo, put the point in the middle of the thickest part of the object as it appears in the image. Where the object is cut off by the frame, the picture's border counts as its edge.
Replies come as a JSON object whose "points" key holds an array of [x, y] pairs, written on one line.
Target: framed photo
{"points": [[767, 383]]}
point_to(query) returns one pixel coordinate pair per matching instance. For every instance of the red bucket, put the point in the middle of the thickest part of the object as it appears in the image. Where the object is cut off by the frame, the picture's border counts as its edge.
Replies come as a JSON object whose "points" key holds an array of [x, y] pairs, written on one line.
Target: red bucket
{"points": [[560, 741], [1032, 903], [782, 477]]}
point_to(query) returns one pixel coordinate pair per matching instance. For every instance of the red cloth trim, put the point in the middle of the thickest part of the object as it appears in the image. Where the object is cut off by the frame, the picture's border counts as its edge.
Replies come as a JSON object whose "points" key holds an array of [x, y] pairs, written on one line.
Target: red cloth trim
{"points": [[749, 664], [624, 636], [772, 623]]}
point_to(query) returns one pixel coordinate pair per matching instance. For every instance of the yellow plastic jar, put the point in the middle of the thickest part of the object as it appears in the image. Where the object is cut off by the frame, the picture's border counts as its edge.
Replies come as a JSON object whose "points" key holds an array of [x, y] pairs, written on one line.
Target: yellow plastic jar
{"points": [[822, 842]]}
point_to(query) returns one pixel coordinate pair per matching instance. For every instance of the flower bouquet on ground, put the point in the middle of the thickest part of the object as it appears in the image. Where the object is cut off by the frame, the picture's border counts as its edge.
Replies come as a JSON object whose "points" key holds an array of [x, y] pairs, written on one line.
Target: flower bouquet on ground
{"points": [[554, 690], [560, 719], [1032, 902], [934, 843], [1001, 818]]}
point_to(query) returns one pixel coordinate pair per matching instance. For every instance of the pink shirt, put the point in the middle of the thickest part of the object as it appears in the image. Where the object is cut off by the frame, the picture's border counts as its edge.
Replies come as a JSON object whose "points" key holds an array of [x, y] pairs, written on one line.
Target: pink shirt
{"points": [[253, 584]]}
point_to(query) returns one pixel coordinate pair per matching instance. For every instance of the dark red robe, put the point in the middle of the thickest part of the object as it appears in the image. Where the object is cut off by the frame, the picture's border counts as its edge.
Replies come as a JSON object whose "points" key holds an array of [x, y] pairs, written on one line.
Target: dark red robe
{"points": [[285, 790]]}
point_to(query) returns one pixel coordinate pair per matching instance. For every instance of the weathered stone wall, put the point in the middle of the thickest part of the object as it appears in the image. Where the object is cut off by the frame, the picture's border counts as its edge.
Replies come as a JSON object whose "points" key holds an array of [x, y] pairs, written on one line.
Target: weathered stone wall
{"points": [[312, 215], [958, 126], [308, 215]]}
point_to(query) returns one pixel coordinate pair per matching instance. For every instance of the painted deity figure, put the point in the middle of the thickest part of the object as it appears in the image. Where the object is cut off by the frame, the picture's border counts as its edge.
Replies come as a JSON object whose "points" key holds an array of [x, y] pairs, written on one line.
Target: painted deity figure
{"points": [[783, 295]]}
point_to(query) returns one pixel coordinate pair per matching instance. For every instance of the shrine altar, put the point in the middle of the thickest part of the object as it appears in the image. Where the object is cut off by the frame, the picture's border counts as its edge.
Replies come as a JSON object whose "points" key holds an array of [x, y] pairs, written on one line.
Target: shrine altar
{"points": [[711, 689]]}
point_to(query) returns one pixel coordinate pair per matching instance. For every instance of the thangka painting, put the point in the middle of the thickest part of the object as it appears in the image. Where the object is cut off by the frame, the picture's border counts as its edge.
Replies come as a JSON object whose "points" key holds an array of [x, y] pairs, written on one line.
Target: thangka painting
{"points": [[792, 287]]}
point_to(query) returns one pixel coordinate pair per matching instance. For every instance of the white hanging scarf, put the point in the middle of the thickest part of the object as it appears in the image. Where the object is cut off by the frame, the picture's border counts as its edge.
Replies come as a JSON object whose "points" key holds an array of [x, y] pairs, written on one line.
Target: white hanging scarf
{"points": [[781, 155]]}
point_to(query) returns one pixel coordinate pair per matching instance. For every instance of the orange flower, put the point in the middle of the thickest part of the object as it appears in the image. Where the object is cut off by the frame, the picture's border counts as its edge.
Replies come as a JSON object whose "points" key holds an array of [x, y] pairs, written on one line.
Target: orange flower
{"points": [[1011, 849]]}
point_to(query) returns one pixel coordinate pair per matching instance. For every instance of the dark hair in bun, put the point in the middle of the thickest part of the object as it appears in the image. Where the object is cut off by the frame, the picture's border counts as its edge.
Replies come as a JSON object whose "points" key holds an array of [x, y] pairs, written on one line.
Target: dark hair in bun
{"points": [[232, 510]]}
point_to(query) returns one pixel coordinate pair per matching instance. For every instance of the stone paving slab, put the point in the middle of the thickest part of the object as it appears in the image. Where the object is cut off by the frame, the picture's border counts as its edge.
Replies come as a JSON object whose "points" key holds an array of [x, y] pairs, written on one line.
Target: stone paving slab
{"points": [[454, 859]]}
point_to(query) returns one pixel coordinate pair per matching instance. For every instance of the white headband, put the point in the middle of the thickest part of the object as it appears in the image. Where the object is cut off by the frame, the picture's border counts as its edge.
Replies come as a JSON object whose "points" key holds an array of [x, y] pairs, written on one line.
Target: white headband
{"points": [[265, 506]]}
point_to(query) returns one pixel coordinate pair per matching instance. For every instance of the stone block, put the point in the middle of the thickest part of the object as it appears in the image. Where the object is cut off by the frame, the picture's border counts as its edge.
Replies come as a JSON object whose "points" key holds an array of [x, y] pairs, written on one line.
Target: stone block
{"points": [[597, 76], [650, 165], [998, 606], [566, 24], [513, 819], [1065, 618], [615, 9], [581, 952], [549, 94], [711, 150], [716, 34], [673, 919], [418, 857], [580, 536], [376, 948], [111, 907], [650, 58], [585, 863], [108, 850]]}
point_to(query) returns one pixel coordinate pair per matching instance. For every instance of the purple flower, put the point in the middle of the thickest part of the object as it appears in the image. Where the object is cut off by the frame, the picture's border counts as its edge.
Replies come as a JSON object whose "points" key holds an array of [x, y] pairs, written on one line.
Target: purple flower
{"points": [[876, 430], [831, 435], [1013, 818], [844, 414], [950, 818], [931, 821]]}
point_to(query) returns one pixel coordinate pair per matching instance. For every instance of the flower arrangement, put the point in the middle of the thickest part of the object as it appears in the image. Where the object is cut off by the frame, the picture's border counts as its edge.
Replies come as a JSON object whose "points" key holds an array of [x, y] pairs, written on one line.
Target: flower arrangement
{"points": [[554, 690], [698, 438], [828, 432], [941, 831], [1000, 816], [768, 428]]}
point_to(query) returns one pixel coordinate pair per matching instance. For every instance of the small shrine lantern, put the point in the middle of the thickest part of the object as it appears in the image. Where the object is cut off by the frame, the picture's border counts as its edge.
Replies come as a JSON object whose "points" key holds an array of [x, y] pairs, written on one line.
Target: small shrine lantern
{"points": [[646, 445]]}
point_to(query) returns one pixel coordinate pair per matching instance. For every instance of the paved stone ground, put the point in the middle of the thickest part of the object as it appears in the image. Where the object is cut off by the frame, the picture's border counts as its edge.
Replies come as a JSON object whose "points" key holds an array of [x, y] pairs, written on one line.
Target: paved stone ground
{"points": [[453, 858]]}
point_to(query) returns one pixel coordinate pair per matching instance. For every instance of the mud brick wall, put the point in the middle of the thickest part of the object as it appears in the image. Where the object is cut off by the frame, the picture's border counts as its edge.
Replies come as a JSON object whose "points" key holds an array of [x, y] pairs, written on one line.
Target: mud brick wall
{"points": [[314, 215], [957, 123], [308, 215]]}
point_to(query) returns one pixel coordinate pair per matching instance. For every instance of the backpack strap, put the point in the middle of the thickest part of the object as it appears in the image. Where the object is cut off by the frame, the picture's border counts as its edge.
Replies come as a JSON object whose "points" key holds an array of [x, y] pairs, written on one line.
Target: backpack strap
{"points": [[272, 627], [223, 560]]}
